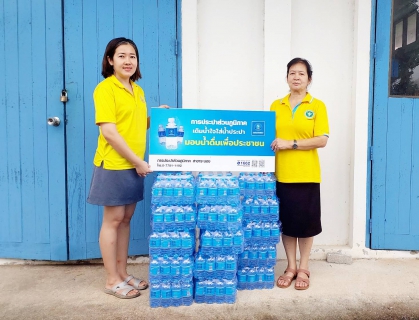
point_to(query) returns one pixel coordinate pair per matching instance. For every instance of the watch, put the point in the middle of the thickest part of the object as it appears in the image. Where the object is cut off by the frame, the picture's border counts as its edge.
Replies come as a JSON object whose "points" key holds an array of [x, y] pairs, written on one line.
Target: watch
{"points": [[295, 146]]}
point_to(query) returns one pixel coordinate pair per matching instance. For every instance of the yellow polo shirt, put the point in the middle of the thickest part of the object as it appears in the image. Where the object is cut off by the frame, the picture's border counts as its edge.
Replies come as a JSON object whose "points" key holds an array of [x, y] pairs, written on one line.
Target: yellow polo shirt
{"points": [[115, 104], [307, 120]]}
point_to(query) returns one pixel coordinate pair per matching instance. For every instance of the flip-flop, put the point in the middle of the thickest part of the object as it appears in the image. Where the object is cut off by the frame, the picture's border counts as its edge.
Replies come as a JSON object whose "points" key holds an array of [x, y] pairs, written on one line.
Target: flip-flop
{"points": [[123, 289], [307, 281], [136, 283], [287, 278]]}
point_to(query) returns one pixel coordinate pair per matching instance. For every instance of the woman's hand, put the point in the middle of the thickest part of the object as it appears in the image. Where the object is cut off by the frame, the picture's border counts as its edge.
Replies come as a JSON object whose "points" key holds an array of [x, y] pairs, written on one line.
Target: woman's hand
{"points": [[281, 144], [164, 106], [143, 168]]}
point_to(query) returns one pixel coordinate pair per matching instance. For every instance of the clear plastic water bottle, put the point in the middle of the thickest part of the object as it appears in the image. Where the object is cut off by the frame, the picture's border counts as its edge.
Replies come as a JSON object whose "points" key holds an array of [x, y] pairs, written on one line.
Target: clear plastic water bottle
{"points": [[155, 295], [250, 185], [238, 241], [253, 256], [219, 291], [242, 278], [175, 268], [154, 270], [167, 192], [166, 294], [175, 242], [251, 278], [201, 191], [178, 218], [155, 243], [230, 266], [199, 268], [227, 239], [271, 260], [162, 134], [171, 134], [176, 294], [210, 267], [260, 278], [212, 191], [210, 291], [259, 185], [206, 240], [200, 289], [180, 134], [187, 293], [217, 242], [187, 267], [165, 268], [188, 192], [220, 266], [164, 243], [177, 192], [187, 243], [230, 291]]}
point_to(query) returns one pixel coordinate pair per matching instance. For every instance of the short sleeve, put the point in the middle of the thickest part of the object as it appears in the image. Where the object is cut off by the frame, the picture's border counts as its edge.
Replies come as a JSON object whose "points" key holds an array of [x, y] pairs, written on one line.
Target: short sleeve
{"points": [[105, 105], [321, 124]]}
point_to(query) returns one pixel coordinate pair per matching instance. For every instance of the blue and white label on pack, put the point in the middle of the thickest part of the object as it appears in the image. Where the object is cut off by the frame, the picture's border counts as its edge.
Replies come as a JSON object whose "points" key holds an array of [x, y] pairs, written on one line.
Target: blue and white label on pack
{"points": [[213, 140]]}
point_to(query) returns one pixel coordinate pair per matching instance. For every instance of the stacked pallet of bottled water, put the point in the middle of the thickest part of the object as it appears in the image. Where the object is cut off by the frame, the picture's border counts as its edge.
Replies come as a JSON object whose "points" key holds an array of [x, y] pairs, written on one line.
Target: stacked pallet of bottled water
{"points": [[220, 218], [261, 231], [172, 240]]}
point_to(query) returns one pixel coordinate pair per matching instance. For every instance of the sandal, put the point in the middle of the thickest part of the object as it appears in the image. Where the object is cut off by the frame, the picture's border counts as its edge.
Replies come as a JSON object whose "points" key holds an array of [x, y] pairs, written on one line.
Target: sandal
{"points": [[126, 288], [136, 283], [288, 279], [307, 281]]}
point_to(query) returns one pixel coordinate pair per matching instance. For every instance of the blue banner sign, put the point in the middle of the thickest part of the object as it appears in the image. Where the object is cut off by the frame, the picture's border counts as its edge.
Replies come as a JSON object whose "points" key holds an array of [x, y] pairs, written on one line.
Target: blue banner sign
{"points": [[211, 140]]}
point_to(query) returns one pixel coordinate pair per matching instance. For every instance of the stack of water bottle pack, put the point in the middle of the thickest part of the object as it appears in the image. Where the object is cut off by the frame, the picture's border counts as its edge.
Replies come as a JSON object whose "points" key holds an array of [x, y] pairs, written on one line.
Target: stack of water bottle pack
{"points": [[261, 231], [172, 240], [220, 218]]}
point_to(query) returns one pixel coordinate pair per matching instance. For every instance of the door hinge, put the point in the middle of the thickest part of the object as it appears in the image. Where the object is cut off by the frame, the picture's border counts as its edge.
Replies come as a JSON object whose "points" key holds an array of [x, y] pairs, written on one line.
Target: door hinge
{"points": [[176, 47], [371, 153], [375, 51], [370, 226]]}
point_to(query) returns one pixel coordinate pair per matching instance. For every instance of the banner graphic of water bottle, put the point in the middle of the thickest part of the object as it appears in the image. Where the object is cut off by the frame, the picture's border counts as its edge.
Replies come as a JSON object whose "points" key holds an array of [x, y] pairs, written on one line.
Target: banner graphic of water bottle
{"points": [[170, 135]]}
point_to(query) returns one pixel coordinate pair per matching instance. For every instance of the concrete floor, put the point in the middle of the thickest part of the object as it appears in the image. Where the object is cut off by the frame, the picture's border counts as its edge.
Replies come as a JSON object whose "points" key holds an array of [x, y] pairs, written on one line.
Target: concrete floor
{"points": [[366, 289]]}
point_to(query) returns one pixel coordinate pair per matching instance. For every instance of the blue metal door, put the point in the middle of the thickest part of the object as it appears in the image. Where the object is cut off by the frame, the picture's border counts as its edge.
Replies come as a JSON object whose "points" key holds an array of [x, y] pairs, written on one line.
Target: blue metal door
{"points": [[88, 26], [32, 161], [395, 140]]}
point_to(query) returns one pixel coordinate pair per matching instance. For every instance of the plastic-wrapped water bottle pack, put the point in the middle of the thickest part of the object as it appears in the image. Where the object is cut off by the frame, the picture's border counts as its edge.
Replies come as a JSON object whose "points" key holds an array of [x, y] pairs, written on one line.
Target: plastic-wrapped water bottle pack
{"points": [[258, 256], [215, 266], [171, 268], [172, 243], [215, 291], [221, 242], [173, 217], [261, 208], [257, 184], [217, 189], [220, 217], [255, 278], [173, 188], [261, 233], [171, 293]]}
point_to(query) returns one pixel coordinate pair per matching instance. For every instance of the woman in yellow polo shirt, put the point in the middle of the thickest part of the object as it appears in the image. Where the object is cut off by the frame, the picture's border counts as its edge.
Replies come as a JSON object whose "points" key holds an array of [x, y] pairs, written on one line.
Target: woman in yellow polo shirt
{"points": [[301, 128], [118, 177]]}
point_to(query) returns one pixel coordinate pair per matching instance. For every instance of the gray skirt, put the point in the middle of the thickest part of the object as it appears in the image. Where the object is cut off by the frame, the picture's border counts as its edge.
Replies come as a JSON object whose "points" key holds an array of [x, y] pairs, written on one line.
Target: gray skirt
{"points": [[115, 187]]}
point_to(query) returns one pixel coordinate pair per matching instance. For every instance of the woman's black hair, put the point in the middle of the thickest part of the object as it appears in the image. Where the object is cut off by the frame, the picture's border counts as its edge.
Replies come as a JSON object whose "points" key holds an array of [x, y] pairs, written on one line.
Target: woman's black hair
{"points": [[303, 61], [107, 68]]}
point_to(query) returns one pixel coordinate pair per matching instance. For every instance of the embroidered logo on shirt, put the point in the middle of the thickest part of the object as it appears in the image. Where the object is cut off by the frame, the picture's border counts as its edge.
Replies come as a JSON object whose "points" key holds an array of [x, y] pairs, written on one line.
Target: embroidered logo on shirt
{"points": [[309, 114]]}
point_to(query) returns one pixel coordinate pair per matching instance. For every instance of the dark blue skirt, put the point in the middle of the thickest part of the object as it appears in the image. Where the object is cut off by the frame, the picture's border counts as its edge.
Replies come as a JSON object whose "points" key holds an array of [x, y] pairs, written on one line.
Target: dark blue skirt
{"points": [[299, 209], [115, 187]]}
